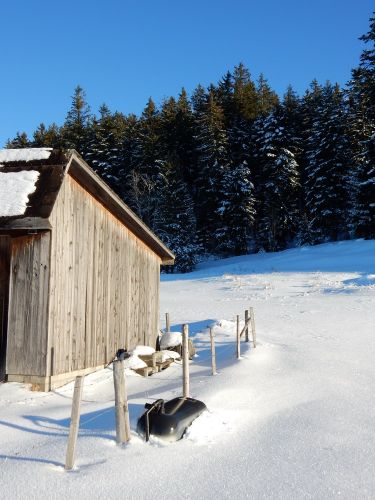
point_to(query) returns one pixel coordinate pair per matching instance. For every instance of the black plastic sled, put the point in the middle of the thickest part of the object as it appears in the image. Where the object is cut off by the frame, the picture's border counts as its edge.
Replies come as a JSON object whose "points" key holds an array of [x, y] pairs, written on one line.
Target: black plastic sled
{"points": [[169, 420]]}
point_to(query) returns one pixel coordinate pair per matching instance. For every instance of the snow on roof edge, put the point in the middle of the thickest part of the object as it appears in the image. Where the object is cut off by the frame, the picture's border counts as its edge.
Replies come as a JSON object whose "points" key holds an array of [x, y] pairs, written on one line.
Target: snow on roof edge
{"points": [[15, 189], [24, 154]]}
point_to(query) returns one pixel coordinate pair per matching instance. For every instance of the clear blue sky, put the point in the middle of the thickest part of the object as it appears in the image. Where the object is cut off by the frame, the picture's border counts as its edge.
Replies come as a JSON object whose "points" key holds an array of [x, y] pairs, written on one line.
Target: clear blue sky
{"points": [[123, 51]]}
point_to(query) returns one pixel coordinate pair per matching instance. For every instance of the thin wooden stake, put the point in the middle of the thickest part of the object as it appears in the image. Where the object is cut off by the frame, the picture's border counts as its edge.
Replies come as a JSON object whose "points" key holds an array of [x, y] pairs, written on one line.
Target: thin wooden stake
{"points": [[253, 326], [185, 360], [247, 325], [238, 338], [74, 423], [213, 352], [126, 406], [167, 323], [119, 384]]}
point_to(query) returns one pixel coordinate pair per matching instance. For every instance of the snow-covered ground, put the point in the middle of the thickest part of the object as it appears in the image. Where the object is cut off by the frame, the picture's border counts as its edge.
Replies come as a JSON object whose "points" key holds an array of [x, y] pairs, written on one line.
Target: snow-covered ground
{"points": [[292, 419]]}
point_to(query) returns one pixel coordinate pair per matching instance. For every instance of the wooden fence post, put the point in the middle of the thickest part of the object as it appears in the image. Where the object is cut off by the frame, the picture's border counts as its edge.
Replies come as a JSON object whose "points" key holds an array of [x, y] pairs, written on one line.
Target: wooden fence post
{"points": [[185, 360], [126, 406], [167, 323], [121, 404], [238, 338], [247, 327], [253, 326], [213, 352], [74, 423]]}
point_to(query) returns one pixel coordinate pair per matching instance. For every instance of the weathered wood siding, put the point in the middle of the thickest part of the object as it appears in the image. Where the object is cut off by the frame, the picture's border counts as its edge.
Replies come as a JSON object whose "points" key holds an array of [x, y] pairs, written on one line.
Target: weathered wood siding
{"points": [[4, 291], [28, 306], [104, 288]]}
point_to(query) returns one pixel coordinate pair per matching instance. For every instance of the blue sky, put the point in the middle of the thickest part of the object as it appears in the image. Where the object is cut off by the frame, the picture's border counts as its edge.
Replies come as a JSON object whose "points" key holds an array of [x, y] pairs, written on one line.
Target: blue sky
{"points": [[123, 51]]}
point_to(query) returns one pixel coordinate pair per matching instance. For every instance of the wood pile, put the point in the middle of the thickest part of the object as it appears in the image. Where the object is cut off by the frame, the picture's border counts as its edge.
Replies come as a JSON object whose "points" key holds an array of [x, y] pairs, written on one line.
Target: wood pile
{"points": [[154, 363]]}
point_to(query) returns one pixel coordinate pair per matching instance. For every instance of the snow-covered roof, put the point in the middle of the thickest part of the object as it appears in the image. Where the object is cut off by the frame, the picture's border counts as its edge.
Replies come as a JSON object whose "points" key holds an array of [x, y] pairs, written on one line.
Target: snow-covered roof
{"points": [[31, 180], [15, 189], [24, 155]]}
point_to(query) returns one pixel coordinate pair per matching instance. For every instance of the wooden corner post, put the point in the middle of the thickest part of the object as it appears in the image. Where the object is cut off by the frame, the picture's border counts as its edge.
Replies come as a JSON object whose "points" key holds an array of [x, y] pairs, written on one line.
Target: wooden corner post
{"points": [[185, 360]]}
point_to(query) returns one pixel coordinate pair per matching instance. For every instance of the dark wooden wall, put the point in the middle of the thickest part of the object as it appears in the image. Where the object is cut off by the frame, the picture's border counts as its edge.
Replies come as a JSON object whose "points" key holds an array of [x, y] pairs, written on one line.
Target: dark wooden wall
{"points": [[27, 347], [4, 290]]}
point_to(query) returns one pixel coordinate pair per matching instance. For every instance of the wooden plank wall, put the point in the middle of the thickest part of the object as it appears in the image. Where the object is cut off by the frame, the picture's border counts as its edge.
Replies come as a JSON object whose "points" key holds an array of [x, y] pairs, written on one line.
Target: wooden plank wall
{"points": [[28, 307], [104, 284], [4, 291]]}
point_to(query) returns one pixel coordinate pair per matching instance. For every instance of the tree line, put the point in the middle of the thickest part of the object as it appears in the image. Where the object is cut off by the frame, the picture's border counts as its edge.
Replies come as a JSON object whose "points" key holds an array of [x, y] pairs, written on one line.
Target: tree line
{"points": [[233, 168]]}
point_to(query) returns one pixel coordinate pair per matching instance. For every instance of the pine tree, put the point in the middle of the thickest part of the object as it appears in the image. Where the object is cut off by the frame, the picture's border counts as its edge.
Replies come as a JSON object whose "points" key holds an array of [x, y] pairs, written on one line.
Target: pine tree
{"points": [[244, 94], [329, 158], [267, 99], [212, 150], [105, 138], [47, 137], [128, 159], [236, 211], [168, 131], [225, 97], [177, 224], [277, 183], [147, 177], [20, 141], [362, 127], [186, 153], [77, 122]]}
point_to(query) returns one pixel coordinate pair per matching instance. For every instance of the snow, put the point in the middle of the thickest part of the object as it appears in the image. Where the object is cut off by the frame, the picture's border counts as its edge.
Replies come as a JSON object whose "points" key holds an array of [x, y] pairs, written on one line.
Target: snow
{"points": [[134, 362], [170, 339], [292, 419], [166, 354], [143, 350], [25, 154], [15, 189]]}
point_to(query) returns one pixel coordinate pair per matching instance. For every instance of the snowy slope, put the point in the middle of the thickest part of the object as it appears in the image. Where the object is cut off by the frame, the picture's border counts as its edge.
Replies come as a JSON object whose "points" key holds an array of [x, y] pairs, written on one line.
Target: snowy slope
{"points": [[293, 418]]}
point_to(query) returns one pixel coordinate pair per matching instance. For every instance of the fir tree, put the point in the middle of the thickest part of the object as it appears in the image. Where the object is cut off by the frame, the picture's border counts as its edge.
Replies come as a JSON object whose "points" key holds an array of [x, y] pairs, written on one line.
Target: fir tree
{"points": [[76, 126], [277, 183], [267, 99], [245, 96], [20, 141], [329, 158], [48, 137], [177, 224], [104, 138], [236, 211], [147, 177], [212, 150], [362, 127]]}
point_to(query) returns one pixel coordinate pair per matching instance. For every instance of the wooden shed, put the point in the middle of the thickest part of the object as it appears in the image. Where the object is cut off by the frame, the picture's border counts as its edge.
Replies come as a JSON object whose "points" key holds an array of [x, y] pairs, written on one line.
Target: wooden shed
{"points": [[79, 271]]}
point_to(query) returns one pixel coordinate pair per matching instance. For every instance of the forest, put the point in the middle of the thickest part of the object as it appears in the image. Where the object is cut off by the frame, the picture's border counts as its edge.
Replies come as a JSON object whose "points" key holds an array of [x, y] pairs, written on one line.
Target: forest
{"points": [[234, 168]]}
